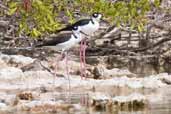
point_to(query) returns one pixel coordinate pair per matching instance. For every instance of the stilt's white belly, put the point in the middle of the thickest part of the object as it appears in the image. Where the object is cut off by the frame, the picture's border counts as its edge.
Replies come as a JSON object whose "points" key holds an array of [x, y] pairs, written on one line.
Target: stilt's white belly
{"points": [[66, 45], [90, 28]]}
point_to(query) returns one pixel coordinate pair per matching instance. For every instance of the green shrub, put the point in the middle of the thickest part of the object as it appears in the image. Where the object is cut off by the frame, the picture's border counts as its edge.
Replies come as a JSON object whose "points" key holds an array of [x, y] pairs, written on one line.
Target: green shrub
{"points": [[38, 17]]}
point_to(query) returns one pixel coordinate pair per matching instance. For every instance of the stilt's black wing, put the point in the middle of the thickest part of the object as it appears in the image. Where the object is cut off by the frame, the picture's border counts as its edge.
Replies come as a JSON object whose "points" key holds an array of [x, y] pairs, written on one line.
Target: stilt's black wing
{"points": [[54, 40], [78, 23]]}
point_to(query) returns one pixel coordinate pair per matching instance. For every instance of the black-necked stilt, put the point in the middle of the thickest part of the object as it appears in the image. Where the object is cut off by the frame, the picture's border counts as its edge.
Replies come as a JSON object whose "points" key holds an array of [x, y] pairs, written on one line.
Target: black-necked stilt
{"points": [[88, 27], [63, 42]]}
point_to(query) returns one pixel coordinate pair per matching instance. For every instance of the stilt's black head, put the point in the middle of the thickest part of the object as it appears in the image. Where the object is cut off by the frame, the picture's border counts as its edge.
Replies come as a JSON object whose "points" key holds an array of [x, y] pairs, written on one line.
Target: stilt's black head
{"points": [[76, 31], [97, 16], [75, 28]]}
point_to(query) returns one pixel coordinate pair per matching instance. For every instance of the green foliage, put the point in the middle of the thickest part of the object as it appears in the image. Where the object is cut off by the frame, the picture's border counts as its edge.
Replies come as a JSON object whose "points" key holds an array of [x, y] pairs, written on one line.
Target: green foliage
{"points": [[36, 20], [40, 18]]}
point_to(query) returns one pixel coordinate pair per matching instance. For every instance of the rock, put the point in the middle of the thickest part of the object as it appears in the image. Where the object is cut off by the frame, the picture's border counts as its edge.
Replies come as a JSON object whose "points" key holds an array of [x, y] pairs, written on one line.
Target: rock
{"points": [[152, 82], [97, 73], [10, 73], [166, 81], [3, 106], [104, 73], [16, 60], [132, 101], [73, 67], [25, 96], [4, 57], [100, 96], [130, 98], [40, 106], [144, 65], [3, 64], [20, 59], [7, 99], [38, 75], [100, 42], [93, 60], [35, 66]]}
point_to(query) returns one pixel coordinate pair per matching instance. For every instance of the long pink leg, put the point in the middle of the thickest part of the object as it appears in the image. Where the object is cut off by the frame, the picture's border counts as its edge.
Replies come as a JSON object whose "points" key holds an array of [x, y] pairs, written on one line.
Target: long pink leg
{"points": [[62, 56], [84, 55], [81, 60], [56, 69], [67, 73], [66, 63]]}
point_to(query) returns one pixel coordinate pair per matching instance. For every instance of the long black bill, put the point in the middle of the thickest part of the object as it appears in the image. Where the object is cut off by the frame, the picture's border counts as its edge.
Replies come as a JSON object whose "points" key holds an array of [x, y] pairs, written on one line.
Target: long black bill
{"points": [[104, 21], [84, 33]]}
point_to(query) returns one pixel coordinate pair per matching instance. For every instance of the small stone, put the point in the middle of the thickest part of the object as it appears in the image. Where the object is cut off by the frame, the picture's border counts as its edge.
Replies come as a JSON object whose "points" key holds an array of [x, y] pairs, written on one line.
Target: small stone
{"points": [[3, 106], [20, 59], [25, 96]]}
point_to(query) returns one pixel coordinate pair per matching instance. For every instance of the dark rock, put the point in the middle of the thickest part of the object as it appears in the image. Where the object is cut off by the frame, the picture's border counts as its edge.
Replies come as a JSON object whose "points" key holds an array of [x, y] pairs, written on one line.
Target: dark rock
{"points": [[25, 96], [92, 60], [96, 73]]}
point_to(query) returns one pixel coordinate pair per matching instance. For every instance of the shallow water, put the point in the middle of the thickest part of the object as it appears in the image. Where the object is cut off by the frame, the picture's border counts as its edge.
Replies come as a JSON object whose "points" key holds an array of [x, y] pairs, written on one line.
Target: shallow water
{"points": [[146, 111], [158, 107], [163, 107]]}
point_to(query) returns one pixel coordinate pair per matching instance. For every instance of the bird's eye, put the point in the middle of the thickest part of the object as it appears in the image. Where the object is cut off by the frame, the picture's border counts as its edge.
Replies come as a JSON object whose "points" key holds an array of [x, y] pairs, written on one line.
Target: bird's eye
{"points": [[75, 28], [95, 15]]}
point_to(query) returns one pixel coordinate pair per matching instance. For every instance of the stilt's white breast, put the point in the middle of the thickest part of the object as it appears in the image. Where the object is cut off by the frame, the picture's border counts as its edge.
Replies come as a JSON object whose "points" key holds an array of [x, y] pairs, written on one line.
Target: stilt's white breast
{"points": [[90, 28], [67, 44]]}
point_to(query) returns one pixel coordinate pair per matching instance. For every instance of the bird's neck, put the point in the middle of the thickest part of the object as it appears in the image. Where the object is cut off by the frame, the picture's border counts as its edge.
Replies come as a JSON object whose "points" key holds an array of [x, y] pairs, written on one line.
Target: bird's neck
{"points": [[94, 21], [76, 35]]}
